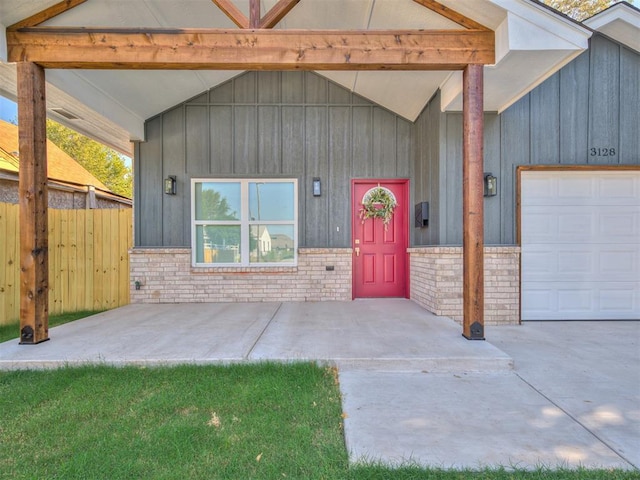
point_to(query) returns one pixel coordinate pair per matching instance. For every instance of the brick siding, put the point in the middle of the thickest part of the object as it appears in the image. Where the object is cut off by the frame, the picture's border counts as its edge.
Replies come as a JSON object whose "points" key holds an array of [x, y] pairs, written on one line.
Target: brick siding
{"points": [[166, 276], [436, 282]]}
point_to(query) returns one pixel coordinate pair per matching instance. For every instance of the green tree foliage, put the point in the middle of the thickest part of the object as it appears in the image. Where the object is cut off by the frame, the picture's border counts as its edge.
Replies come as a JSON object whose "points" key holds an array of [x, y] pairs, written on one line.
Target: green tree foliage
{"points": [[105, 164], [213, 206], [580, 9]]}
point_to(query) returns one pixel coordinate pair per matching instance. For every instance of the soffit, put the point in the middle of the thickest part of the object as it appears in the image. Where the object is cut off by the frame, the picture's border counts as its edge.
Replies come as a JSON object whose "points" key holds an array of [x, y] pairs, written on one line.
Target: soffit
{"points": [[113, 105]]}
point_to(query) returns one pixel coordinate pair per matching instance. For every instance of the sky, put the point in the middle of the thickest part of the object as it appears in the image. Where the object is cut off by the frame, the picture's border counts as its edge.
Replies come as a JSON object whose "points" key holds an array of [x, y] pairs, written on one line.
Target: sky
{"points": [[8, 110]]}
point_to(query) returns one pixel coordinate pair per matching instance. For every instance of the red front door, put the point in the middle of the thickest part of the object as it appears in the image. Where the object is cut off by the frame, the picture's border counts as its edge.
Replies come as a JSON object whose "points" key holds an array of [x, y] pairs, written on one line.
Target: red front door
{"points": [[379, 253]]}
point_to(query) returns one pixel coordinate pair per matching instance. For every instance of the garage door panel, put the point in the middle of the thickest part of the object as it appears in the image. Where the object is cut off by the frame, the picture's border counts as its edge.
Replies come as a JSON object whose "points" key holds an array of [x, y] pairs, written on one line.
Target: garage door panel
{"points": [[580, 236], [570, 224], [618, 189], [581, 188], [539, 301], [558, 262], [624, 299], [539, 226], [621, 262], [585, 301], [578, 188], [575, 263], [576, 300], [623, 223], [539, 263]]}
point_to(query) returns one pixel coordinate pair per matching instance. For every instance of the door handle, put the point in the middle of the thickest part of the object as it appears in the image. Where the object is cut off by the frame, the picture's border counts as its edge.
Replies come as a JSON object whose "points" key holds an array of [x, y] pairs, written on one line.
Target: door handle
{"points": [[357, 249]]}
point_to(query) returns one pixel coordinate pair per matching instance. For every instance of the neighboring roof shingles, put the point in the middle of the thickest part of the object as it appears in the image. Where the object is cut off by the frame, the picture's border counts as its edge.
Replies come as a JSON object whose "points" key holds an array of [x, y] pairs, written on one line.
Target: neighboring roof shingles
{"points": [[60, 166], [8, 162]]}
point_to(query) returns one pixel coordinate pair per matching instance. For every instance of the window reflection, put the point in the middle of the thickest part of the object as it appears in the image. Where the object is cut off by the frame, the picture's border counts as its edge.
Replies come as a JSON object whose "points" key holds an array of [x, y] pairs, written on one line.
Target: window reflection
{"points": [[271, 201], [217, 244], [271, 244], [217, 201]]}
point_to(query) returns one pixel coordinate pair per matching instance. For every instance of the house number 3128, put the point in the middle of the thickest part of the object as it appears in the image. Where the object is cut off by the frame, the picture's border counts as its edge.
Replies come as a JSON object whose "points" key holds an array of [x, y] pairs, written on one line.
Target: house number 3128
{"points": [[602, 152]]}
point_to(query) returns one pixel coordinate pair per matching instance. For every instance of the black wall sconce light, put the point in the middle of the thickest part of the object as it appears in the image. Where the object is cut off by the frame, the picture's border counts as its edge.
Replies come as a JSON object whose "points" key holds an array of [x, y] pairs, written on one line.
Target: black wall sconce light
{"points": [[317, 187], [170, 185], [490, 185]]}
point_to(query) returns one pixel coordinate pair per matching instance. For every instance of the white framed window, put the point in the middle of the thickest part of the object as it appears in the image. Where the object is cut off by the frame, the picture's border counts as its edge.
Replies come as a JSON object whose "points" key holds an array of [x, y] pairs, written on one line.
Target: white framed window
{"points": [[244, 222]]}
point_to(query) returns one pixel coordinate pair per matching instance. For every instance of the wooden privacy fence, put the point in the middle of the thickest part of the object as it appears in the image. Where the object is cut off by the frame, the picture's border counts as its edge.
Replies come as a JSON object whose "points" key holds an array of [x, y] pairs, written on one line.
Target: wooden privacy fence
{"points": [[88, 260]]}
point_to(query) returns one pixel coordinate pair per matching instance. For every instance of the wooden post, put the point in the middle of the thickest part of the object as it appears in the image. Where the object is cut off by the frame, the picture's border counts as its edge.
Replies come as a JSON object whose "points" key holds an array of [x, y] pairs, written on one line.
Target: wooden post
{"points": [[472, 203], [33, 201], [254, 14]]}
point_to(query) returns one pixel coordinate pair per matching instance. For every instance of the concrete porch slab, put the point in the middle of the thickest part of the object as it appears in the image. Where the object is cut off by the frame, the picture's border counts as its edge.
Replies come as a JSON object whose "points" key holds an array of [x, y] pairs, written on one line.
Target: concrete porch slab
{"points": [[165, 334], [381, 334]]}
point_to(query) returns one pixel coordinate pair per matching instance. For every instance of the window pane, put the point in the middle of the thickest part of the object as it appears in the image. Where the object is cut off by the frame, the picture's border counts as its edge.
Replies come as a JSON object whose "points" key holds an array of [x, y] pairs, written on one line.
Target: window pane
{"points": [[271, 244], [217, 244], [217, 201], [271, 201]]}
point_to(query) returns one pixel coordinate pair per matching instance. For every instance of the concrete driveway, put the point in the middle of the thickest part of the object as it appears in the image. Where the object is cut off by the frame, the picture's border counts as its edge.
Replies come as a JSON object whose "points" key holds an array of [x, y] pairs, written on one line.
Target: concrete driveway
{"points": [[414, 390], [573, 399]]}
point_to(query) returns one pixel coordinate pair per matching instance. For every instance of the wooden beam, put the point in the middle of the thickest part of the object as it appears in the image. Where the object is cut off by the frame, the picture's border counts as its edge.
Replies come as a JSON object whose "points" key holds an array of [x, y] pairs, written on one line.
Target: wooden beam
{"points": [[93, 48], [472, 203], [46, 14], [33, 201], [254, 13], [277, 13], [231, 11], [452, 15]]}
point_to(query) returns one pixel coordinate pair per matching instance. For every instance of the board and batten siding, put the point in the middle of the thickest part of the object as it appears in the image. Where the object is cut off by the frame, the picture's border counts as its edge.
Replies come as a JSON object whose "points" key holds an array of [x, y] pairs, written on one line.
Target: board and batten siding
{"points": [[586, 114], [428, 182], [268, 124]]}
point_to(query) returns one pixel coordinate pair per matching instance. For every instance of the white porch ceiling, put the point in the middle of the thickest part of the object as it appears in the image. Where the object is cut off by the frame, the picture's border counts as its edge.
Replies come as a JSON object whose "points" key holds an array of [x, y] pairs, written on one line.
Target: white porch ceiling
{"points": [[532, 43]]}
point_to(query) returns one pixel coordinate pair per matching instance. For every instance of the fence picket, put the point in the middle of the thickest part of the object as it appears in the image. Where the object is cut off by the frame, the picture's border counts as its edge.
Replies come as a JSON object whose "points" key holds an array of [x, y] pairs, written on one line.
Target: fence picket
{"points": [[88, 260]]}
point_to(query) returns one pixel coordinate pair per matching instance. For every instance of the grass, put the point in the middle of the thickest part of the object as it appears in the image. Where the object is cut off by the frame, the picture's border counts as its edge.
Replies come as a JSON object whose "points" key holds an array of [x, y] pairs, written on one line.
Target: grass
{"points": [[266, 421], [12, 330]]}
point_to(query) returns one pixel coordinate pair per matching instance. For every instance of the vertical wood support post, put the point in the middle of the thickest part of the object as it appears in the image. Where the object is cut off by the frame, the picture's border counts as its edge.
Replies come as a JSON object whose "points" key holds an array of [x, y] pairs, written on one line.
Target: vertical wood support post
{"points": [[33, 201], [473, 203], [254, 14]]}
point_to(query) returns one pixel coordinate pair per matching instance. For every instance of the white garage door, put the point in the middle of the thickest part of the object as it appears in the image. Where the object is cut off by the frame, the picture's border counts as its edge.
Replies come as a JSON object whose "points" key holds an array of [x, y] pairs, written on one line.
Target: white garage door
{"points": [[580, 242]]}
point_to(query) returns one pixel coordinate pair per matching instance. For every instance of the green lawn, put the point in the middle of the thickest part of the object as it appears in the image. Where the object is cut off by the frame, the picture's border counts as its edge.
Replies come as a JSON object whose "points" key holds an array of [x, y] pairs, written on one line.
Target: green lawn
{"points": [[266, 421], [12, 330]]}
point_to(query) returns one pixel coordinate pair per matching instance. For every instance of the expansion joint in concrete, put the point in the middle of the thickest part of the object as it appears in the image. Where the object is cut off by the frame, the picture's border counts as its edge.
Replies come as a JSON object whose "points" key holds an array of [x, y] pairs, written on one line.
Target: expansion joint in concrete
{"points": [[248, 355], [577, 420]]}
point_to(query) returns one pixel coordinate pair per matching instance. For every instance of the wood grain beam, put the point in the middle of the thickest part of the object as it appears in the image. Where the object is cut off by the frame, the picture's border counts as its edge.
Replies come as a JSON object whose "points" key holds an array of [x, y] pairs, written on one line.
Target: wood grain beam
{"points": [[33, 202], [92, 48], [277, 13], [231, 11], [472, 203], [254, 13], [46, 14], [452, 15]]}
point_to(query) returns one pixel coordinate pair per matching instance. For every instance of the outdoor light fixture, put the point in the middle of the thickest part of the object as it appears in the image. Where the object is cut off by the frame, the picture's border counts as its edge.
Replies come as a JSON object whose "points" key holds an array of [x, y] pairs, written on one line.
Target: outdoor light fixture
{"points": [[317, 190], [490, 185], [170, 185]]}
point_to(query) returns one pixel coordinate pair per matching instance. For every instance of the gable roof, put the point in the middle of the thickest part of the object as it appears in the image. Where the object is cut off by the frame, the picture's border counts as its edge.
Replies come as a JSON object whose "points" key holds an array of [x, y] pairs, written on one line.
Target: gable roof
{"points": [[532, 43], [61, 167], [621, 22]]}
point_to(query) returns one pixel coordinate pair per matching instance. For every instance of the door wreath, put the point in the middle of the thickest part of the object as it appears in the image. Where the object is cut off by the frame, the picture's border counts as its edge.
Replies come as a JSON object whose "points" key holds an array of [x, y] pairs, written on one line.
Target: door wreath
{"points": [[378, 202]]}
